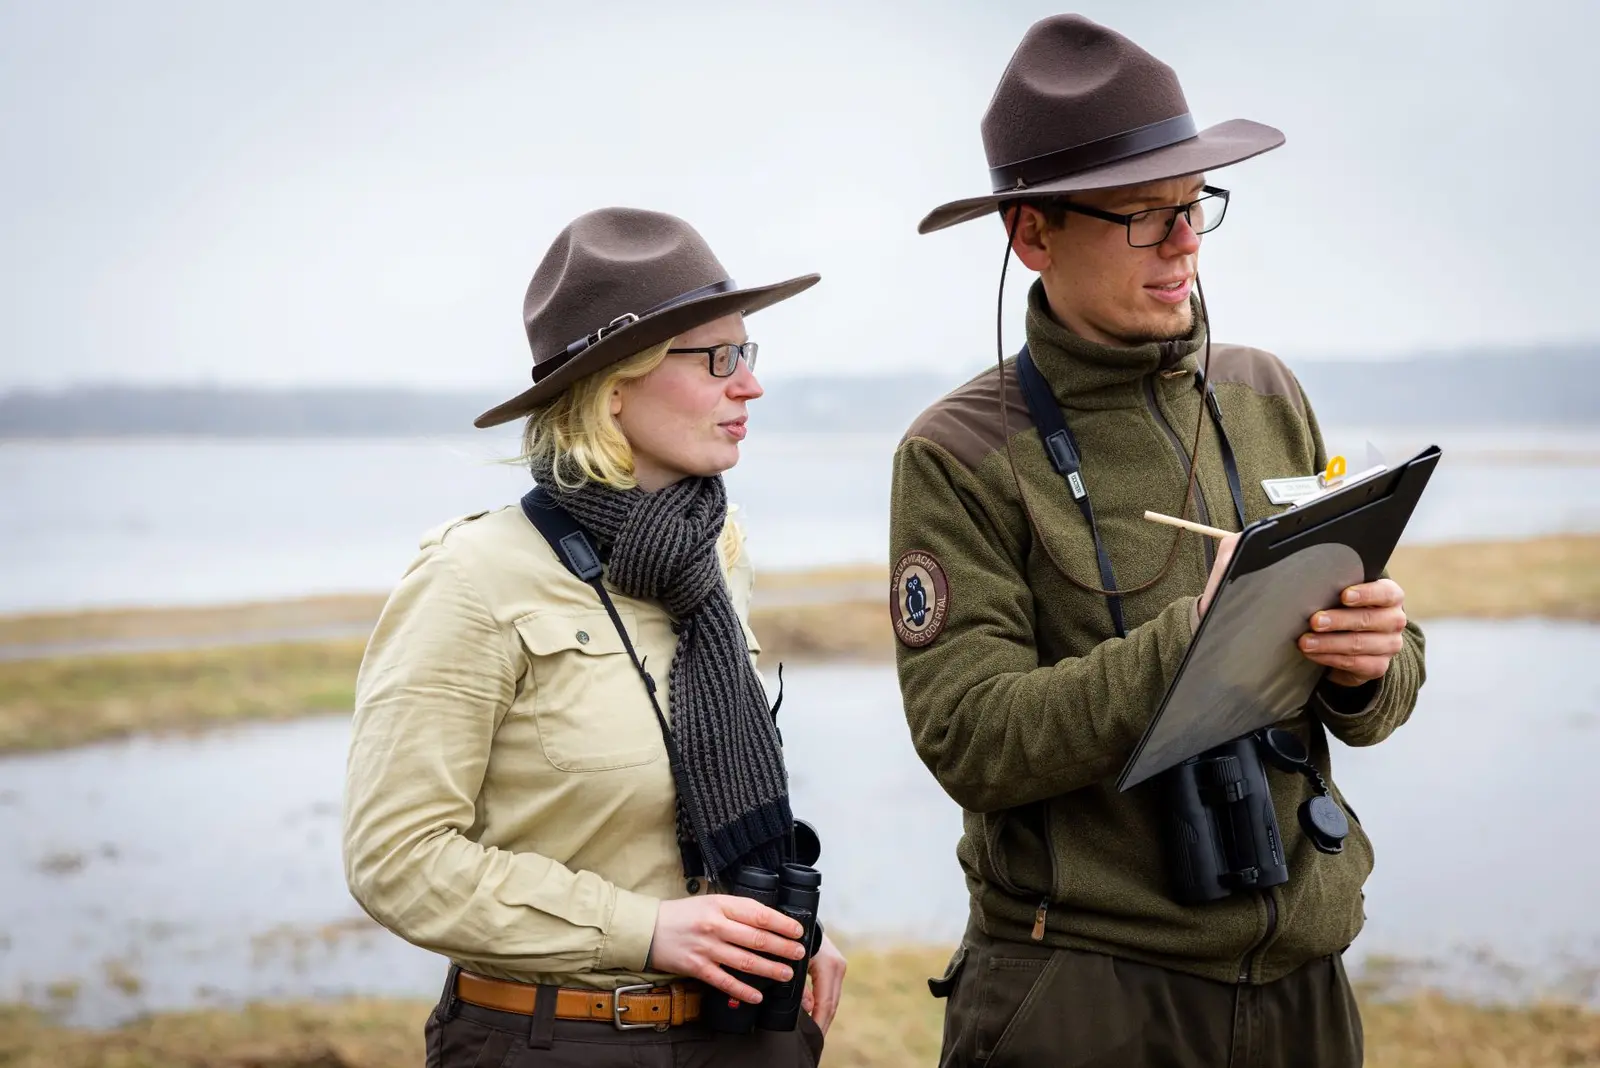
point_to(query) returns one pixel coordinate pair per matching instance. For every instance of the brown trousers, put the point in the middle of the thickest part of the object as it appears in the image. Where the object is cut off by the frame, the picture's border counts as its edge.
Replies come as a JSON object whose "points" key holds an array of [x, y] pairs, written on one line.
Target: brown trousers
{"points": [[1014, 1004], [468, 1036]]}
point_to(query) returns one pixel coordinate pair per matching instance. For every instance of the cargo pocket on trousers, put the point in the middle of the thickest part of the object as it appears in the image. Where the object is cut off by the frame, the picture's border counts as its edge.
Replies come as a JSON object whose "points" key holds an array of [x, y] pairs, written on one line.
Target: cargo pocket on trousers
{"points": [[941, 986], [1010, 985], [1079, 1010]]}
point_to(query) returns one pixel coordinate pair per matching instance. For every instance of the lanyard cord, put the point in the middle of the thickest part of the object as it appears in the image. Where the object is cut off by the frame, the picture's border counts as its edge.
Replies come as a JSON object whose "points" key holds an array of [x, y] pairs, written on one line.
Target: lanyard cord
{"points": [[1062, 448], [1109, 590]]}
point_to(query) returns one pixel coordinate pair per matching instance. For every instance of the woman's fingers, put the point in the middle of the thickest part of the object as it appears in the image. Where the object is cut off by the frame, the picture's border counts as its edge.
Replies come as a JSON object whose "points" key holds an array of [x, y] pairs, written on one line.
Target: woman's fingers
{"points": [[712, 975], [707, 937], [732, 956], [756, 915], [761, 929]]}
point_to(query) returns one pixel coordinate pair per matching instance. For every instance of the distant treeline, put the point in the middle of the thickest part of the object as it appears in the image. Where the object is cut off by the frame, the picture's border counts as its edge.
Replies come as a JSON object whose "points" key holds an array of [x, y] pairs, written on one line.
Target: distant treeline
{"points": [[1543, 387]]}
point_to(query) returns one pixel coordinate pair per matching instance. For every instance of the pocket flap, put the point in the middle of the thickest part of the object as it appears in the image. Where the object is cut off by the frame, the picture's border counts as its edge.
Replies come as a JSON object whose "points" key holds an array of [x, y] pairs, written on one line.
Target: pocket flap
{"points": [[592, 633], [944, 984]]}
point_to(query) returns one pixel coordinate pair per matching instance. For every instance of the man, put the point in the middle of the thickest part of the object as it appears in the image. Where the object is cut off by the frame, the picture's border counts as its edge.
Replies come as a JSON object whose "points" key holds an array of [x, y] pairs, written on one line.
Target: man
{"points": [[1032, 662]]}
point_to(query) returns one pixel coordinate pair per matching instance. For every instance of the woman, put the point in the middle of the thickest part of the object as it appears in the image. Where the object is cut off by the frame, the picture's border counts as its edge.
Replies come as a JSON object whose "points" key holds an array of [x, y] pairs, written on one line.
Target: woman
{"points": [[510, 801]]}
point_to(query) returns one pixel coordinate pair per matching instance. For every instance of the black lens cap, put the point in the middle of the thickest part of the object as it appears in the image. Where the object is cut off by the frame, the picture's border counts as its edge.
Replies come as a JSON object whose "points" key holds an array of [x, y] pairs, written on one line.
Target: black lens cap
{"points": [[1284, 750], [1325, 824], [807, 845]]}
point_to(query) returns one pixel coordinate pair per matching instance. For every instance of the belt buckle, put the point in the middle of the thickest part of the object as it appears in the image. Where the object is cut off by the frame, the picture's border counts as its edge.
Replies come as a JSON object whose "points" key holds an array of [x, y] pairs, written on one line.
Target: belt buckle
{"points": [[617, 1008]]}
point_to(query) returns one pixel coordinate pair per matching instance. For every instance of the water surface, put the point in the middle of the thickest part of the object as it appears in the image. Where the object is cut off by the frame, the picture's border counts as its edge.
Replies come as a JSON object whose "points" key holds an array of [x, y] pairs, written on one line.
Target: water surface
{"points": [[208, 867], [199, 521]]}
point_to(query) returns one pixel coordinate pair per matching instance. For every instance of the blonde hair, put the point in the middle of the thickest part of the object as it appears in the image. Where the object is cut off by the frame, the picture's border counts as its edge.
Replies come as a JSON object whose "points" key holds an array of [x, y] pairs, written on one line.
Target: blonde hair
{"points": [[578, 439]]}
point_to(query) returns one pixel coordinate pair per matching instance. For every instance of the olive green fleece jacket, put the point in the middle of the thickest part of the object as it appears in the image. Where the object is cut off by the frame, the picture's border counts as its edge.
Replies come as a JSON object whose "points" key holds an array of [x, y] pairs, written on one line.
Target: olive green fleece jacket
{"points": [[1026, 705]]}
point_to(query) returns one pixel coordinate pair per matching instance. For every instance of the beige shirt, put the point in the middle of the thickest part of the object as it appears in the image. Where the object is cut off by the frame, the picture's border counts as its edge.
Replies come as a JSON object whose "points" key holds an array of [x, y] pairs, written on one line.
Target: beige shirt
{"points": [[508, 801]]}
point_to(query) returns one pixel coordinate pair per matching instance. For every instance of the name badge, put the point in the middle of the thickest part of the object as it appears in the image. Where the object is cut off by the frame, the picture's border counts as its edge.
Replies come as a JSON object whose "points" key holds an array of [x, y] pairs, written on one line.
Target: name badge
{"points": [[1291, 490]]}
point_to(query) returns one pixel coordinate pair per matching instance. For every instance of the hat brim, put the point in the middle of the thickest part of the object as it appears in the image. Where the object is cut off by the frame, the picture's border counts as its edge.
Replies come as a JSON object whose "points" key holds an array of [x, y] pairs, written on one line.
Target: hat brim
{"points": [[1216, 146], [636, 337]]}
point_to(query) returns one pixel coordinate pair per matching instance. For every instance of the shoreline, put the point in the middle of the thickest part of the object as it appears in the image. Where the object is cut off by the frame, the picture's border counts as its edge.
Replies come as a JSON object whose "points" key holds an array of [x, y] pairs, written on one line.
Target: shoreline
{"points": [[1469, 579], [73, 678]]}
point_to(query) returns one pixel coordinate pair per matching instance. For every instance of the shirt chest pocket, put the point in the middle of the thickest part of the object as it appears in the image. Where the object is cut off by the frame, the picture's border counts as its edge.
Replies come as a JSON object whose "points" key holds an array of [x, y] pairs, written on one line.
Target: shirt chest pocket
{"points": [[587, 699]]}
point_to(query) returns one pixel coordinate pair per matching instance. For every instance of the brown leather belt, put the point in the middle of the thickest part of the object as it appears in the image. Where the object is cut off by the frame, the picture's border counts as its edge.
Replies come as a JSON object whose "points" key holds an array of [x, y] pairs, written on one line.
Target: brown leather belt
{"points": [[626, 1008]]}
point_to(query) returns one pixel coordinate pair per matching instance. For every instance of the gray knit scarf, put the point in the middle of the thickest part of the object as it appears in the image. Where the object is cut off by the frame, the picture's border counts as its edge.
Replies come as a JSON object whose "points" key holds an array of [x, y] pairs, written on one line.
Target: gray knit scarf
{"points": [[733, 796]]}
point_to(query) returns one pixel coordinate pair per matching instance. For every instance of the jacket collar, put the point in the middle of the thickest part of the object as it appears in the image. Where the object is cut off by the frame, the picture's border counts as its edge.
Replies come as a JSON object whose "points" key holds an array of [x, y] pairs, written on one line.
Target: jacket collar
{"points": [[1087, 374]]}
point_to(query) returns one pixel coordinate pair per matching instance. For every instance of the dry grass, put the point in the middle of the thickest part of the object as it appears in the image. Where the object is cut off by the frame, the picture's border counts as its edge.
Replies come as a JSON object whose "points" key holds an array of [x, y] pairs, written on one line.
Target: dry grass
{"points": [[243, 623], [1555, 578], [71, 700], [48, 704], [779, 582], [888, 1019], [186, 624], [854, 630]]}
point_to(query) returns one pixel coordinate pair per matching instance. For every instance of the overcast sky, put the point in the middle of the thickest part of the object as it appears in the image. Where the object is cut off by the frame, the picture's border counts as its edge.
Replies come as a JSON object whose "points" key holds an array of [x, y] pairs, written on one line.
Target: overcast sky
{"points": [[357, 192]]}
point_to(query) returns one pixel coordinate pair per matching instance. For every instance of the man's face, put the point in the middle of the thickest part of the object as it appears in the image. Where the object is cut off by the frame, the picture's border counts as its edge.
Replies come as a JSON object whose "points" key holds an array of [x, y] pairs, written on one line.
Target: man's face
{"points": [[1101, 287]]}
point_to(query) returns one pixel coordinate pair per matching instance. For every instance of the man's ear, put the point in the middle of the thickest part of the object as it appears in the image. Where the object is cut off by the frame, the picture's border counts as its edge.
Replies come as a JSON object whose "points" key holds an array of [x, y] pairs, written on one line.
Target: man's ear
{"points": [[1028, 240]]}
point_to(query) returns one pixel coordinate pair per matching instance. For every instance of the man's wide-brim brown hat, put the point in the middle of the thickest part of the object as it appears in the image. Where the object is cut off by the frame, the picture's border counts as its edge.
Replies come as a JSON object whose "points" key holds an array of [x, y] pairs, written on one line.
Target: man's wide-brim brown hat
{"points": [[1081, 107], [614, 283]]}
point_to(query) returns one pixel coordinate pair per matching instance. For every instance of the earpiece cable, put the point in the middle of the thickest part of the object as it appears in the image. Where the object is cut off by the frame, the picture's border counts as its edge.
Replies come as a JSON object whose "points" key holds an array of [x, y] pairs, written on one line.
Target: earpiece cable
{"points": [[1005, 430]]}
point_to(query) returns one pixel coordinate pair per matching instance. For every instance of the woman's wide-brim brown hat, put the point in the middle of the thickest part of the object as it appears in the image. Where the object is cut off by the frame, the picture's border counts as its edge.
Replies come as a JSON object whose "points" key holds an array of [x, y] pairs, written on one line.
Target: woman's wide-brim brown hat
{"points": [[1081, 107], [615, 282]]}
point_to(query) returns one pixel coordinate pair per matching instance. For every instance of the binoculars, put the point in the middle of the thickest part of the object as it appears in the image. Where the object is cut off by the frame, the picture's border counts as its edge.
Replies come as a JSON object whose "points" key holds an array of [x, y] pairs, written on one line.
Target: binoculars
{"points": [[794, 890], [1222, 831]]}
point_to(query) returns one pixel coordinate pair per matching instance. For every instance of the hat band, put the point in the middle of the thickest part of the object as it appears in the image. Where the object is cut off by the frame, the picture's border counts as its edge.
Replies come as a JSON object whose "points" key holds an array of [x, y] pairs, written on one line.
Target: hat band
{"points": [[1036, 169], [545, 368]]}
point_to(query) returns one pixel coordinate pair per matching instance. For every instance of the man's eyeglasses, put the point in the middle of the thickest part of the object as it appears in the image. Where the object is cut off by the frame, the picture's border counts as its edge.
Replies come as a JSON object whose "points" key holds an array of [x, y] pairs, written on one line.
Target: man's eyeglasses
{"points": [[1154, 225], [723, 360]]}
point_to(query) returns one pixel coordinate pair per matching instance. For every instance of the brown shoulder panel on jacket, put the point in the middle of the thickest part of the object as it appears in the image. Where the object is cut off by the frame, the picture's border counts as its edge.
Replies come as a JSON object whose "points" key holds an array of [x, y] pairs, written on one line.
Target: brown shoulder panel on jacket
{"points": [[1258, 369], [966, 421]]}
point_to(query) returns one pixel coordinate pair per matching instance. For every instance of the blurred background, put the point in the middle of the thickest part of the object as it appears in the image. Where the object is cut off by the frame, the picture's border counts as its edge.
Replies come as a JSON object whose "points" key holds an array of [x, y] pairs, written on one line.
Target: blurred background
{"points": [[264, 263]]}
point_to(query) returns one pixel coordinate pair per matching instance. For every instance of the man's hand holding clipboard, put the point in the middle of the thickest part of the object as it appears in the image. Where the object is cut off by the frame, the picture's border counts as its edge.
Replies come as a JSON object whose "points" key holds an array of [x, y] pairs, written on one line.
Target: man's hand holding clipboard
{"points": [[1356, 641]]}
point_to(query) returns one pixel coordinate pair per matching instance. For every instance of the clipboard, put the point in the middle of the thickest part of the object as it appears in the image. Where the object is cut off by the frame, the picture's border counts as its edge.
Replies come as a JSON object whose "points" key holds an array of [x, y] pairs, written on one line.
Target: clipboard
{"points": [[1244, 670]]}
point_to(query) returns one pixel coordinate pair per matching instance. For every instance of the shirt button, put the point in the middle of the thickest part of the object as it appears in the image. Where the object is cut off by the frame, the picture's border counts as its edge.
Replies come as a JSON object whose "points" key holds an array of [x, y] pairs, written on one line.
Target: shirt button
{"points": [[693, 886], [583, 637]]}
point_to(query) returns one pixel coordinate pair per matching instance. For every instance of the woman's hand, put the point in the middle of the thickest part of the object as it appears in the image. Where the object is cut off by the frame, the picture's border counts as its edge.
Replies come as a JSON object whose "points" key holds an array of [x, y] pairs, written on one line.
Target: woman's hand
{"points": [[821, 998], [697, 936]]}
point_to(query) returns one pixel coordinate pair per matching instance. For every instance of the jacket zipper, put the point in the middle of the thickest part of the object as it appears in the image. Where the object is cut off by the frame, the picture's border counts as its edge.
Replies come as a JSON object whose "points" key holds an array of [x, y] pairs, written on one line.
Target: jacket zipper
{"points": [[1249, 962], [1183, 461], [1042, 912]]}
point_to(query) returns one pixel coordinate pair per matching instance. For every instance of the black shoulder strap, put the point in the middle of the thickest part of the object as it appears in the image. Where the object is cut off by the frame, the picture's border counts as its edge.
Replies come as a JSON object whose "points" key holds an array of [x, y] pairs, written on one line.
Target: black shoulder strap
{"points": [[1062, 449], [574, 548], [1229, 465], [564, 533]]}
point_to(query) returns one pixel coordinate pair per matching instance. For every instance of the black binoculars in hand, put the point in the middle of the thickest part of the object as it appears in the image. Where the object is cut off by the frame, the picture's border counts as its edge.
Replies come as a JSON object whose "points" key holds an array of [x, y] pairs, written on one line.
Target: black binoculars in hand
{"points": [[1222, 831], [794, 890]]}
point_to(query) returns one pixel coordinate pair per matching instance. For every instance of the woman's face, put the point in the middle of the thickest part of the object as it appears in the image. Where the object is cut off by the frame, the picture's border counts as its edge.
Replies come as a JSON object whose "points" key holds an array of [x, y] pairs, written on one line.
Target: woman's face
{"points": [[679, 419]]}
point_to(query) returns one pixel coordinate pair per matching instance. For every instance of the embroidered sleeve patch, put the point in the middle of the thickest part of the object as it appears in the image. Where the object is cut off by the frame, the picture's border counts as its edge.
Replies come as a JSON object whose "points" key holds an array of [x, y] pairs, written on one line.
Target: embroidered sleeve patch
{"points": [[919, 598]]}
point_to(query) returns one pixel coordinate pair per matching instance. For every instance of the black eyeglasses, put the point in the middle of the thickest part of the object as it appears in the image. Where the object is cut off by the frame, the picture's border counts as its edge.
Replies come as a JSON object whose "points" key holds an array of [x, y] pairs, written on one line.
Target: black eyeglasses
{"points": [[723, 360], [1154, 225]]}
